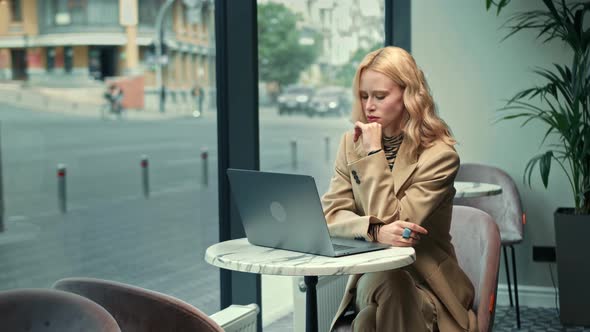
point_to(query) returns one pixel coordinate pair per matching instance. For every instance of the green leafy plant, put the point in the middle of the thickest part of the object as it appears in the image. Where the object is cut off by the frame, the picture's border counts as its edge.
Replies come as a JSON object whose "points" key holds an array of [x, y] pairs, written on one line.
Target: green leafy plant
{"points": [[282, 53], [563, 100]]}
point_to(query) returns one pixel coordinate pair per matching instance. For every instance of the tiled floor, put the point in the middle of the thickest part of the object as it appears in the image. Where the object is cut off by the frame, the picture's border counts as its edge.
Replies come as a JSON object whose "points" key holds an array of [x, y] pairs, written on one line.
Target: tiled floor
{"points": [[532, 320]]}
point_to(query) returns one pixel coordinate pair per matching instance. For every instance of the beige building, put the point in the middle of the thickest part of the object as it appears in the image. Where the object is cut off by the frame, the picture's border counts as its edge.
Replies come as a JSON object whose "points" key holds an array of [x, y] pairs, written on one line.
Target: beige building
{"points": [[73, 42]]}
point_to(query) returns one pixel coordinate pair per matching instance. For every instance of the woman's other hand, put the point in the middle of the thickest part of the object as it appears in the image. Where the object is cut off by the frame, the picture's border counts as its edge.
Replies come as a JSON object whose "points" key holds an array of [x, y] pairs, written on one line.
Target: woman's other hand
{"points": [[370, 133], [391, 234]]}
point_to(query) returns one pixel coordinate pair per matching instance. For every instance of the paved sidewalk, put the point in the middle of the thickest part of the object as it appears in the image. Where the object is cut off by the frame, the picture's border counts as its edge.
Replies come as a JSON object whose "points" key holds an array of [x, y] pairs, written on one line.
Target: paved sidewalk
{"points": [[86, 101], [133, 241]]}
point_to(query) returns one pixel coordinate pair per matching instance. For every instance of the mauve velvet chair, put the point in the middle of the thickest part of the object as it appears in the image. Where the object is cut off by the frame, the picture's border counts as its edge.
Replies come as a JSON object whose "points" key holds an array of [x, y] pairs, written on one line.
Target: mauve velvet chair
{"points": [[477, 245], [476, 239], [137, 309], [507, 211], [49, 310]]}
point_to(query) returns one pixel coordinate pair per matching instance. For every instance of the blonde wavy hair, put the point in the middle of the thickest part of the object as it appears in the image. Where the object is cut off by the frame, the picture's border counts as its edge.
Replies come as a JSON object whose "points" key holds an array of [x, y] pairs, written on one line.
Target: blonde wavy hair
{"points": [[423, 126]]}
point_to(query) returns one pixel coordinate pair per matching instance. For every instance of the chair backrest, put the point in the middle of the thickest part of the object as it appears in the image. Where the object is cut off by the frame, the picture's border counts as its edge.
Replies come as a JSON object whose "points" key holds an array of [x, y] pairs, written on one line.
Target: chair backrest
{"points": [[52, 310], [139, 309], [506, 208], [477, 245]]}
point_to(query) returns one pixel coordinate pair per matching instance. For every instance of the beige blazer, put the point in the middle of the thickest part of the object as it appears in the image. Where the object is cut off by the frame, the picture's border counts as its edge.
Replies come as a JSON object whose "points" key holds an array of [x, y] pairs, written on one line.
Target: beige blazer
{"points": [[420, 189]]}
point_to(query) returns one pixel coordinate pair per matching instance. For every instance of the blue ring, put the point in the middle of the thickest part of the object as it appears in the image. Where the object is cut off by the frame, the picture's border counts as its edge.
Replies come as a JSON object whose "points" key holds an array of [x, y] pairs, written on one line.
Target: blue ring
{"points": [[406, 233]]}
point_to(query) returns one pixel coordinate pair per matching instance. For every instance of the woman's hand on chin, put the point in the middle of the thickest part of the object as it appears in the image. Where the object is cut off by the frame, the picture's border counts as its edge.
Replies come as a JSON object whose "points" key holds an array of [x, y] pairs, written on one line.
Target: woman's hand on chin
{"points": [[370, 134]]}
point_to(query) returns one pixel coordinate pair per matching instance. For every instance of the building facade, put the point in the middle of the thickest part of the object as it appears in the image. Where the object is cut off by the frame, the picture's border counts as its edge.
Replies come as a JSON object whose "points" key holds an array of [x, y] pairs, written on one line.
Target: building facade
{"points": [[73, 42], [345, 26]]}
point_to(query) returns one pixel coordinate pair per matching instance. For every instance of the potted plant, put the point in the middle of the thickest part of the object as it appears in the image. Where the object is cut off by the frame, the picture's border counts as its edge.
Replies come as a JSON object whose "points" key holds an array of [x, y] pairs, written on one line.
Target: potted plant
{"points": [[563, 104]]}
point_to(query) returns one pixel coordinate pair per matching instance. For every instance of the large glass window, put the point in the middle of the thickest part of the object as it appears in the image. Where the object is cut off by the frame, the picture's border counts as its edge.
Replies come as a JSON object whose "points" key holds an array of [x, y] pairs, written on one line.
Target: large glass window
{"points": [[16, 10], [68, 59], [91, 192], [81, 13], [102, 12], [61, 12], [148, 10], [50, 59], [78, 11], [308, 52]]}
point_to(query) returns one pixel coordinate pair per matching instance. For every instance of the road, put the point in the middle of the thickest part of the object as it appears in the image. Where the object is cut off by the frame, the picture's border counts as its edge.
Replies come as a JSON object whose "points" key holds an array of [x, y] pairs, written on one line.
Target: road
{"points": [[103, 157], [111, 231]]}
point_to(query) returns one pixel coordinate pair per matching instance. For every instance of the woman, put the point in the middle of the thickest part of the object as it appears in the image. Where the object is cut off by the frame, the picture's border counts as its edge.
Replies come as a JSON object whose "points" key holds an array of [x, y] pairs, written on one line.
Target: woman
{"points": [[393, 183]]}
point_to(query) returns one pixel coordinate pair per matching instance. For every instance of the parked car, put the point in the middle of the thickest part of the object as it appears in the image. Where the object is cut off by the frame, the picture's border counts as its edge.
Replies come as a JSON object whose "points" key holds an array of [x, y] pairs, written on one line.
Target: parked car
{"points": [[330, 100], [295, 99]]}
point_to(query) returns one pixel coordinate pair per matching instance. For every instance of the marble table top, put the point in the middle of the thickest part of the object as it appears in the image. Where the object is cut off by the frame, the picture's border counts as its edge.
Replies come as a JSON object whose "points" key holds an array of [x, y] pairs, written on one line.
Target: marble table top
{"points": [[476, 189], [240, 255]]}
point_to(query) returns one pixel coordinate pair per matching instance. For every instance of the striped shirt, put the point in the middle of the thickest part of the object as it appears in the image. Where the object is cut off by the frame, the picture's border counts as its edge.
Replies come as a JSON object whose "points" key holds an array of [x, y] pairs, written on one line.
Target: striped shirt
{"points": [[391, 147]]}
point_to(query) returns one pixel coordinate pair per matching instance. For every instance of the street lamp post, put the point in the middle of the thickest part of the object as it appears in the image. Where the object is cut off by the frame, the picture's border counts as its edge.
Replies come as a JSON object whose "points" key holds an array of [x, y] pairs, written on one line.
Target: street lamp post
{"points": [[159, 38]]}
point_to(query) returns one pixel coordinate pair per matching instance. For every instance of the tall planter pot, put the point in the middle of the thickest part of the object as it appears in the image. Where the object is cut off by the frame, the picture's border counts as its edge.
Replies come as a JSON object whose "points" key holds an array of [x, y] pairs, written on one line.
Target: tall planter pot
{"points": [[572, 243]]}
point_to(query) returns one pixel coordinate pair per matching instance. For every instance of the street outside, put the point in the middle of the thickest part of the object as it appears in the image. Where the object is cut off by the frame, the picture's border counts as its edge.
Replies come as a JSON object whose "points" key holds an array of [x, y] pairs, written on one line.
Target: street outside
{"points": [[66, 71], [110, 230]]}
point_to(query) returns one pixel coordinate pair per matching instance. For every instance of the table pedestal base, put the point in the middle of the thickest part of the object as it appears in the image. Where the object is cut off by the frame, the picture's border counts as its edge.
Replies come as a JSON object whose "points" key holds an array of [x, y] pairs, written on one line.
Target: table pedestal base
{"points": [[311, 306]]}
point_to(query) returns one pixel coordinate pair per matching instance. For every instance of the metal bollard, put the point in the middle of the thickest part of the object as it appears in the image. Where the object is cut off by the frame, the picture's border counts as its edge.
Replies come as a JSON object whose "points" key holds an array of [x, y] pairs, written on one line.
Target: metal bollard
{"points": [[327, 140], [145, 176], [205, 167], [294, 153], [61, 187], [1, 186]]}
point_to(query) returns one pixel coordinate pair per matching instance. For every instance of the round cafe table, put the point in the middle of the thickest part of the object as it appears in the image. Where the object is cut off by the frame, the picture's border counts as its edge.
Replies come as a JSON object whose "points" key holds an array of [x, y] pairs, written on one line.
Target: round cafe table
{"points": [[240, 255], [476, 189]]}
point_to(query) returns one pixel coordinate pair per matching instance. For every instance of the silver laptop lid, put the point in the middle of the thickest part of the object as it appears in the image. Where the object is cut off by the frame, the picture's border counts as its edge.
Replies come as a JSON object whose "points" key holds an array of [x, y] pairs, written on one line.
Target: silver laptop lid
{"points": [[281, 211]]}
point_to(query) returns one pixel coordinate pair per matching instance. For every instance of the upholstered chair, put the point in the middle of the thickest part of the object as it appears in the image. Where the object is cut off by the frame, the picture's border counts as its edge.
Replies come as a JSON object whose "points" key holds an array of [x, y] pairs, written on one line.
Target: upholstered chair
{"points": [[507, 211], [140, 310], [476, 239], [49, 310]]}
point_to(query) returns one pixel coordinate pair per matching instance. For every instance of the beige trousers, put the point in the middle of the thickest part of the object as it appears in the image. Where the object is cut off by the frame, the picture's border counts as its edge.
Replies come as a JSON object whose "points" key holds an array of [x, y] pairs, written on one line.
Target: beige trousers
{"points": [[392, 301]]}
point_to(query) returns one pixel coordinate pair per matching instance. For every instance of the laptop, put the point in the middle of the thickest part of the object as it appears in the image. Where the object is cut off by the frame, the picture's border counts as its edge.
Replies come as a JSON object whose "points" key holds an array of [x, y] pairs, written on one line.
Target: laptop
{"points": [[284, 211]]}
